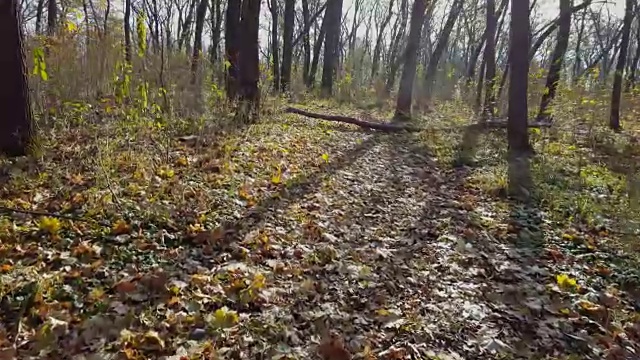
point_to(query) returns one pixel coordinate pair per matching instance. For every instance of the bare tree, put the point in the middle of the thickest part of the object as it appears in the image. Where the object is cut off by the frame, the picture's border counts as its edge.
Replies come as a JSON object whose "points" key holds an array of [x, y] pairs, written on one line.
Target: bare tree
{"points": [[275, 44], [557, 59], [15, 126], [614, 120], [405, 94]]}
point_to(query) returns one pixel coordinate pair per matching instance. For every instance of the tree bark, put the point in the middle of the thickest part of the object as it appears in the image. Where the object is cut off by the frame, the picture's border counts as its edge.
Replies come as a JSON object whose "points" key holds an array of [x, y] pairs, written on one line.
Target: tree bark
{"points": [[39, 11], [15, 105], [216, 27], [201, 14], [232, 50], [633, 68], [562, 43], [331, 46], [614, 120], [287, 46], [520, 182], [249, 104], [405, 93], [490, 60], [306, 41], [393, 58], [52, 17], [275, 45], [127, 31]]}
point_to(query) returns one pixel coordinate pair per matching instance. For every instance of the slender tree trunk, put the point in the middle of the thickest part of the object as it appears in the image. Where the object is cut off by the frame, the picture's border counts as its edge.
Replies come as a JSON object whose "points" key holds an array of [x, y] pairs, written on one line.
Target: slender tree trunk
{"points": [[578, 60], [39, 11], [375, 61], [127, 31], [275, 45], [614, 120], [405, 93], [249, 104], [556, 61], [185, 34], [633, 68], [232, 43], [306, 41], [216, 27], [443, 42], [287, 46], [15, 126], [520, 182], [393, 59], [52, 17], [332, 45], [490, 60], [201, 14], [316, 55]]}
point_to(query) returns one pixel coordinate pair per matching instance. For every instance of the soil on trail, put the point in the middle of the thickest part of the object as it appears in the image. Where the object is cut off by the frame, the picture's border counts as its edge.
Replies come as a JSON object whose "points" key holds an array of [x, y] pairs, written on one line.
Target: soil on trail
{"points": [[393, 254]]}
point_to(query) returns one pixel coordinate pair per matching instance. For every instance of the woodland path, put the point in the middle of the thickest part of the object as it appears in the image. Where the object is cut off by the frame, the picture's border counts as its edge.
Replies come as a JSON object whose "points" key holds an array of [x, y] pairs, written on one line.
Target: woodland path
{"points": [[375, 242]]}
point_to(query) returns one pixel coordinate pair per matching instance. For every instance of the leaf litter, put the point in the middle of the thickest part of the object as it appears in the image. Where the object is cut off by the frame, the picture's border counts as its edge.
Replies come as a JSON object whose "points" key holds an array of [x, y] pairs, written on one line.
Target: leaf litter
{"points": [[295, 240]]}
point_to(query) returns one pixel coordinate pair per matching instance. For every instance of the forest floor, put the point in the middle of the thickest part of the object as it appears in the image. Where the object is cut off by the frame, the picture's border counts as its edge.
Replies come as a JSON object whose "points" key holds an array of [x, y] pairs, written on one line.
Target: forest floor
{"points": [[301, 239]]}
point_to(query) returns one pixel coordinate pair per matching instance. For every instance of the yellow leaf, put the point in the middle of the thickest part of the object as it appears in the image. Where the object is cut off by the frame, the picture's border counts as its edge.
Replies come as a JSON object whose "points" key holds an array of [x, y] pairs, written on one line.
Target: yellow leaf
{"points": [[565, 311], [96, 294], [276, 179], [383, 312], [182, 161], [325, 157], [565, 282], [589, 306], [50, 225], [225, 317]]}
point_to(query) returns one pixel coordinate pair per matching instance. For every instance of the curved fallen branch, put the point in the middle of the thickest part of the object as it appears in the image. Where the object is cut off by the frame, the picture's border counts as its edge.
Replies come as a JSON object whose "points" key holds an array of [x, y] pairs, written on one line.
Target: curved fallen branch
{"points": [[385, 127]]}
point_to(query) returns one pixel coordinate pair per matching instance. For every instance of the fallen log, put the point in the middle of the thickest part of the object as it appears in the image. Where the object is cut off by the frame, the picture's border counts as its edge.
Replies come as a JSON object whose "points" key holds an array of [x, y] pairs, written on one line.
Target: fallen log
{"points": [[385, 127]]}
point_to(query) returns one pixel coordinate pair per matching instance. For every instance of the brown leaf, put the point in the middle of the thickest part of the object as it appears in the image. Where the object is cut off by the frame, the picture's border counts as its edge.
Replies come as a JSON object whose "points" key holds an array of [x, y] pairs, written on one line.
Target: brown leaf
{"points": [[332, 348], [125, 287]]}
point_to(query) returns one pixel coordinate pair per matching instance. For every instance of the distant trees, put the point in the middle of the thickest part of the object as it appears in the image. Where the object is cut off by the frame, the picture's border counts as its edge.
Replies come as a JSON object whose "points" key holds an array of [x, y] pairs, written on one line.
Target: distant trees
{"points": [[15, 107]]}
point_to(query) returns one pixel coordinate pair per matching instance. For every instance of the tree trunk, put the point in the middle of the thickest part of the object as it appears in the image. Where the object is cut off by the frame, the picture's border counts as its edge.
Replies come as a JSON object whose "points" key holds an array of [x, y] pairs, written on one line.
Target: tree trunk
{"points": [[443, 42], [490, 61], [306, 41], [556, 61], [232, 43], [393, 58], [287, 46], [15, 106], [249, 104], [405, 93], [316, 55], [201, 14], [275, 45], [52, 17], [39, 11], [378, 47], [216, 27], [332, 45], [127, 31], [520, 182], [577, 62], [633, 68], [614, 120]]}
